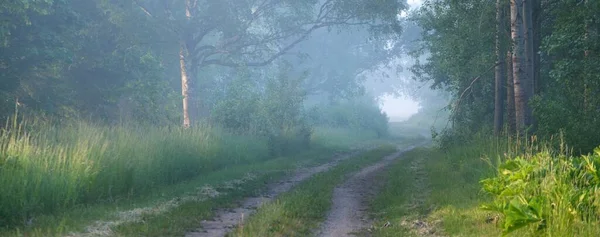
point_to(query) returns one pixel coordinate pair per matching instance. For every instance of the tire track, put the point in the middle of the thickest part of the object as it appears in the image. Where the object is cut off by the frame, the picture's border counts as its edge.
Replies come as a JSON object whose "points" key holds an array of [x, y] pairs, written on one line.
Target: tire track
{"points": [[226, 220], [348, 215]]}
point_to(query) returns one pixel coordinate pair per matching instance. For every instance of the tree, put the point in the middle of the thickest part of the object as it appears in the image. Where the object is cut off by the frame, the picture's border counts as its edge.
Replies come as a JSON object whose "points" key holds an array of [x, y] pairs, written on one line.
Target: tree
{"points": [[236, 33], [521, 81], [499, 73], [459, 59], [511, 123]]}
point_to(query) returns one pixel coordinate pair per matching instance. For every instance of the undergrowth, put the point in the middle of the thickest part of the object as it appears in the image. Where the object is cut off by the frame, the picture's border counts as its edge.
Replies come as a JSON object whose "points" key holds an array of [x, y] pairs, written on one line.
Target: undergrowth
{"points": [[547, 192], [492, 187]]}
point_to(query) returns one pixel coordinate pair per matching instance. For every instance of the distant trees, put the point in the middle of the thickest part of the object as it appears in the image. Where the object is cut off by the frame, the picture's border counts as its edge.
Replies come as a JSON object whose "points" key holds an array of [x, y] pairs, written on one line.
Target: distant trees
{"points": [[127, 60], [253, 33]]}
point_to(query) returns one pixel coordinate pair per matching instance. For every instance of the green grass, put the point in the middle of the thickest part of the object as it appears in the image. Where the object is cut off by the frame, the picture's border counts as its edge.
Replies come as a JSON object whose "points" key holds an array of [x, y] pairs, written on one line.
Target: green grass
{"points": [[59, 179], [531, 190], [58, 167], [437, 191], [300, 211]]}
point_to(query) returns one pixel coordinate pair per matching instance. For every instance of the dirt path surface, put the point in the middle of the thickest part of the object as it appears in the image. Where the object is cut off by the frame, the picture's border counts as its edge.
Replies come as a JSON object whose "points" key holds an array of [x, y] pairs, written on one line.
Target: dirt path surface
{"points": [[227, 219], [348, 213]]}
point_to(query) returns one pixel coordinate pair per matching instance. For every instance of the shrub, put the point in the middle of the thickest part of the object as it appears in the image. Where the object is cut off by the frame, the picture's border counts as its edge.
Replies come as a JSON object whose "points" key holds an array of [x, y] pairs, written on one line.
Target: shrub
{"points": [[357, 114]]}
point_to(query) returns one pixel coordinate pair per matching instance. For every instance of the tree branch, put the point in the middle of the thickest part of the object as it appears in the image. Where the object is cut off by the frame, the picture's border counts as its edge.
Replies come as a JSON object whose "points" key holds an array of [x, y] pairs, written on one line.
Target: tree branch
{"points": [[144, 9], [471, 85]]}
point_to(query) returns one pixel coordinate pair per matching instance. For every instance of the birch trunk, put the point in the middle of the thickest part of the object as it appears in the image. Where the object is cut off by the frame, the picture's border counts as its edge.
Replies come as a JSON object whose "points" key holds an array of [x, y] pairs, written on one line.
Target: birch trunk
{"points": [[183, 67], [519, 73], [184, 84], [499, 73], [528, 78]]}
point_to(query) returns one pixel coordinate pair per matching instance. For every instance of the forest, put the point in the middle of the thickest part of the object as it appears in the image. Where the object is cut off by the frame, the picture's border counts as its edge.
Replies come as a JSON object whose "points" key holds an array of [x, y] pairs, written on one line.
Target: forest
{"points": [[265, 118]]}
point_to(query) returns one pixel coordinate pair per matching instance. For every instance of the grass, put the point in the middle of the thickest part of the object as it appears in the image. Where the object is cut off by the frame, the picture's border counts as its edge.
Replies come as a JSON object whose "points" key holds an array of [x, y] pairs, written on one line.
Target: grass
{"points": [[433, 191], [490, 187], [59, 179], [299, 212], [55, 168]]}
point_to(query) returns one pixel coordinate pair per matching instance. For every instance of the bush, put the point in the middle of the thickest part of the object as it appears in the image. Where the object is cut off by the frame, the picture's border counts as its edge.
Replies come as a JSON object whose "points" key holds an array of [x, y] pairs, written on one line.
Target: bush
{"points": [[274, 112], [356, 114]]}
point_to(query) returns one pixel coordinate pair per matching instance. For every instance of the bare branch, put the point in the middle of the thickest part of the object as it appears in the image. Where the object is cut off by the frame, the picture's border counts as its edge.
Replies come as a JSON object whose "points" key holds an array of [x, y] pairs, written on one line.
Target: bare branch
{"points": [[144, 9], [471, 85]]}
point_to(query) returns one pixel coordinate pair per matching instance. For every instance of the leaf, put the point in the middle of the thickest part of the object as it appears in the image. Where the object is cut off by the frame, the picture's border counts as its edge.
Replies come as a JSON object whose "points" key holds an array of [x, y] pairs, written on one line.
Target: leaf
{"points": [[521, 213]]}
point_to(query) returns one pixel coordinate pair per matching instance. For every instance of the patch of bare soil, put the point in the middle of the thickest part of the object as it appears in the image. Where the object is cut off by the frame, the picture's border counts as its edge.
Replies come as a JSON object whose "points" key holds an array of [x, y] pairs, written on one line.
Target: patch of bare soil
{"points": [[105, 227], [348, 214], [226, 220]]}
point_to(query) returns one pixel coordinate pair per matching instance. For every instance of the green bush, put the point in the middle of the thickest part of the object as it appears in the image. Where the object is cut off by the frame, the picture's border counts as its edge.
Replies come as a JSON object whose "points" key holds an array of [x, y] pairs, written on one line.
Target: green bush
{"points": [[355, 114], [274, 112]]}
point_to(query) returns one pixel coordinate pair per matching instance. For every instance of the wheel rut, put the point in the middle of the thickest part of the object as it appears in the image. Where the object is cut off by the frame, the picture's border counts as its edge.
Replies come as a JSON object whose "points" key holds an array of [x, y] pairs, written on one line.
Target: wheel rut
{"points": [[226, 220], [348, 214]]}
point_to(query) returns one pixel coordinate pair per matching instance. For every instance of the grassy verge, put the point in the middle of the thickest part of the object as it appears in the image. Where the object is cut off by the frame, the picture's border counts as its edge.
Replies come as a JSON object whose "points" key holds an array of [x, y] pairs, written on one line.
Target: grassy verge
{"points": [[491, 188], [300, 211], [433, 192], [59, 180]]}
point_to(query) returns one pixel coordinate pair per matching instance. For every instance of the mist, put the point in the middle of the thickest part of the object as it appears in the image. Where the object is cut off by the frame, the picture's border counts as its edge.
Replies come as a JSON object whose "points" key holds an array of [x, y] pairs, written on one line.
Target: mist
{"points": [[120, 116]]}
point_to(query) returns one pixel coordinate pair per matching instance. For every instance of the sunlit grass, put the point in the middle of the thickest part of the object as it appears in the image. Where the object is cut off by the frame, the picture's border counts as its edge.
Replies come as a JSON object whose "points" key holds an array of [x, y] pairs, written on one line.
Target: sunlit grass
{"points": [[59, 178], [55, 167]]}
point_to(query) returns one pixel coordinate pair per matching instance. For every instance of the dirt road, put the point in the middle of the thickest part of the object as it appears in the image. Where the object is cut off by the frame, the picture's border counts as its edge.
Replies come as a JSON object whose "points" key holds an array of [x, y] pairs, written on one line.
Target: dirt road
{"points": [[226, 220], [348, 214]]}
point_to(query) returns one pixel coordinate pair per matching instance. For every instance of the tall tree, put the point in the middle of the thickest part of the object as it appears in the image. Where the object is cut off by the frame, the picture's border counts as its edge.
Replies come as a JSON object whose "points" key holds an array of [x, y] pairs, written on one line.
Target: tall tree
{"points": [[510, 96], [499, 72], [519, 67]]}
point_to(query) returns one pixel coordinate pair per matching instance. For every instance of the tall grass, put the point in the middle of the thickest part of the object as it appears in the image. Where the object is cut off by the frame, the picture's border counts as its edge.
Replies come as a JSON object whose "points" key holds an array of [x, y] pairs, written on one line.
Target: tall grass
{"points": [[54, 167], [546, 190], [536, 187]]}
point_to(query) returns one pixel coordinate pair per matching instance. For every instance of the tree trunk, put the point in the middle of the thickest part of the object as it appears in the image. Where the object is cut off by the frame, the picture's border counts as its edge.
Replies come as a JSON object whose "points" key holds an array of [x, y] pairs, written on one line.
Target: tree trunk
{"points": [[183, 67], [586, 54], [510, 96], [537, 41], [529, 79], [499, 73], [520, 79], [184, 83]]}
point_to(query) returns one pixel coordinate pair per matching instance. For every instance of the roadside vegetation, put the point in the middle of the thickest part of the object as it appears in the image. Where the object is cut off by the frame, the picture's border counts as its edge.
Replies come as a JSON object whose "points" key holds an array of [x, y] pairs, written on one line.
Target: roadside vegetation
{"points": [[57, 180], [518, 155], [491, 187]]}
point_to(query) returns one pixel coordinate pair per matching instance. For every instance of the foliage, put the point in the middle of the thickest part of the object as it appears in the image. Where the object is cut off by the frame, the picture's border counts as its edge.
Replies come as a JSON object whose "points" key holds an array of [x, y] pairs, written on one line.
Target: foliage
{"points": [[66, 59], [569, 100], [359, 114], [274, 112], [547, 192], [456, 47]]}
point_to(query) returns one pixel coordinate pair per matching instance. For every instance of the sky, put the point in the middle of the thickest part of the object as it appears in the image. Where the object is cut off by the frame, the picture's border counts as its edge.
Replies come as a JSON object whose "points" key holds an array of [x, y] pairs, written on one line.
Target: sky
{"points": [[399, 108]]}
